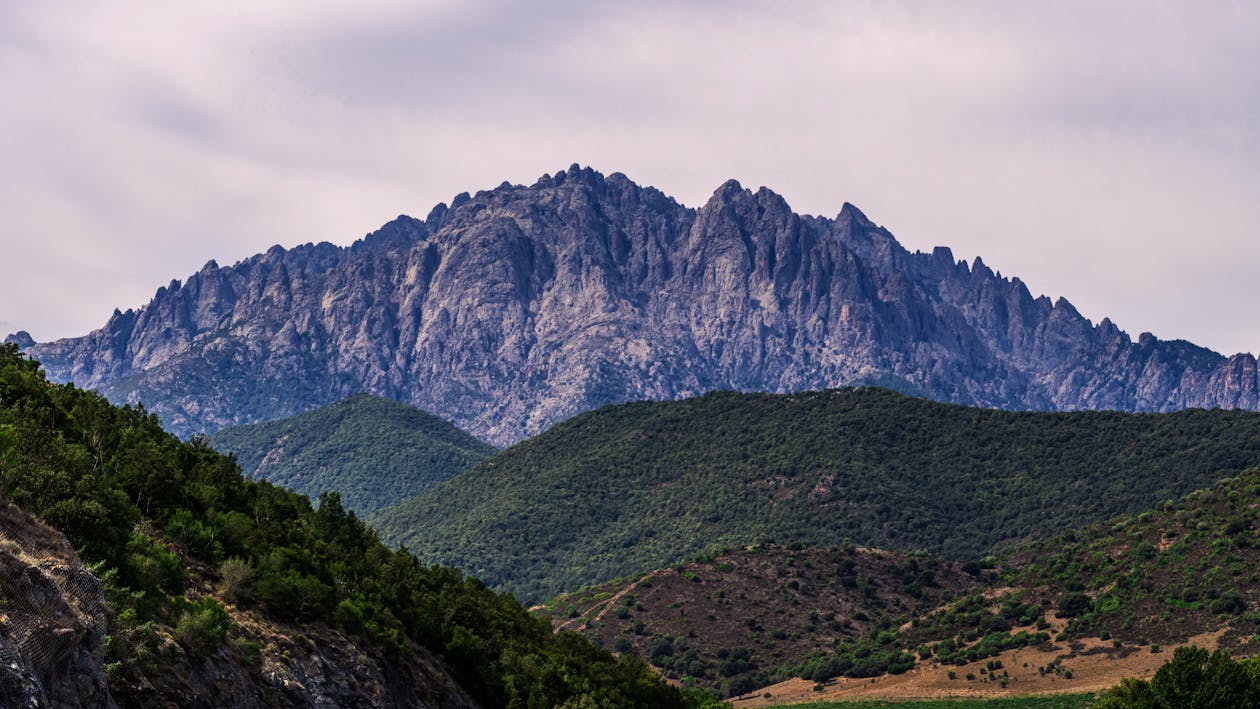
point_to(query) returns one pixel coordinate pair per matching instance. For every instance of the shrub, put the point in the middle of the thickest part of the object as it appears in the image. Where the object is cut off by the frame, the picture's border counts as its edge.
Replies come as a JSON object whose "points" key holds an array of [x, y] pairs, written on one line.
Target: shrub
{"points": [[1193, 679], [236, 578], [1073, 604], [203, 627], [1229, 602]]}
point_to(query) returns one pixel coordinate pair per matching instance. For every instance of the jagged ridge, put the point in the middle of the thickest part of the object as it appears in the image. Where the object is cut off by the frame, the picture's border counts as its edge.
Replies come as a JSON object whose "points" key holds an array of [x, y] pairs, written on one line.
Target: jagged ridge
{"points": [[518, 307]]}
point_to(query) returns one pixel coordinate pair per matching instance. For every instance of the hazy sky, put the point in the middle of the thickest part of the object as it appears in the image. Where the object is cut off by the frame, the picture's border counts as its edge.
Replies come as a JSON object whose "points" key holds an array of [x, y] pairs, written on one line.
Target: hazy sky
{"points": [[1107, 152]]}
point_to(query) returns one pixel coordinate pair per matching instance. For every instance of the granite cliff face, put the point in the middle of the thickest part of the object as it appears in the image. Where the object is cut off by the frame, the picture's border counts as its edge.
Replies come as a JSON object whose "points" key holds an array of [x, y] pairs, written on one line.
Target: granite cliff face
{"points": [[518, 307]]}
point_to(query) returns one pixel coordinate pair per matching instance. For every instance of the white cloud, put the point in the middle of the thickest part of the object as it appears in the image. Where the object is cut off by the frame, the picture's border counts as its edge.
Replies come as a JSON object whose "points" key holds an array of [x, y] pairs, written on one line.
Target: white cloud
{"points": [[1103, 153]]}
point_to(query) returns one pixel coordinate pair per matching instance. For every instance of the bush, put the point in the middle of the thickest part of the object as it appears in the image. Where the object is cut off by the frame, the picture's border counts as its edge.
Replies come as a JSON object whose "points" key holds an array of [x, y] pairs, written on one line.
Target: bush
{"points": [[1229, 602], [1193, 679], [203, 627], [150, 566], [1073, 604], [236, 577]]}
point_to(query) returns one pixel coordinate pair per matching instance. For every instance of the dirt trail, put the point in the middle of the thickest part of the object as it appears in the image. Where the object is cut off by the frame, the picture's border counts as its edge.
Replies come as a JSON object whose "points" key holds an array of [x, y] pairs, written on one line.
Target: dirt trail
{"points": [[574, 623]]}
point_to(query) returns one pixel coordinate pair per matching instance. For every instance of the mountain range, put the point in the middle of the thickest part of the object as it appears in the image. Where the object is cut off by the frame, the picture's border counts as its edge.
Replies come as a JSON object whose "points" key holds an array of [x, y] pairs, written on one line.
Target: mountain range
{"points": [[515, 308]]}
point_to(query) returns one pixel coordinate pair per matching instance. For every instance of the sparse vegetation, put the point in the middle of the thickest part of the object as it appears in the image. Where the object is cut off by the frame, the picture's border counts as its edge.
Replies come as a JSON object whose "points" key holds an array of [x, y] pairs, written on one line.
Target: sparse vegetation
{"points": [[748, 639], [1158, 577], [1058, 701]]}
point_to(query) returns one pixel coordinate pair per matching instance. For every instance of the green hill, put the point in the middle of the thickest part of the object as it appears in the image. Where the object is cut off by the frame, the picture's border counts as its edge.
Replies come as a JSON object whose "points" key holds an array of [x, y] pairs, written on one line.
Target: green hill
{"points": [[1136, 583], [374, 452], [628, 488], [1079, 610], [214, 576], [1160, 576]]}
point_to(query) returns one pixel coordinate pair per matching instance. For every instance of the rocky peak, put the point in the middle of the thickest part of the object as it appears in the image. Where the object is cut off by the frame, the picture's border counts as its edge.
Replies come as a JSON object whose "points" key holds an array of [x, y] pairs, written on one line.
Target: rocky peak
{"points": [[507, 311], [22, 339]]}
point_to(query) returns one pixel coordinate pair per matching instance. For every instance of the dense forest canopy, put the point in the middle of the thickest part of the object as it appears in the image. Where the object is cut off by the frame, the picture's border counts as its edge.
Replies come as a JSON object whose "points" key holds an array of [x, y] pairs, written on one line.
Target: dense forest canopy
{"points": [[639, 486], [373, 452]]}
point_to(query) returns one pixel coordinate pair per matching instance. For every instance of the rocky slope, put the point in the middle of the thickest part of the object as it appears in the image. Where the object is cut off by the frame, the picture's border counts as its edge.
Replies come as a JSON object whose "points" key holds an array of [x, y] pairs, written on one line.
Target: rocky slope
{"points": [[520, 306], [52, 629], [309, 666], [53, 636]]}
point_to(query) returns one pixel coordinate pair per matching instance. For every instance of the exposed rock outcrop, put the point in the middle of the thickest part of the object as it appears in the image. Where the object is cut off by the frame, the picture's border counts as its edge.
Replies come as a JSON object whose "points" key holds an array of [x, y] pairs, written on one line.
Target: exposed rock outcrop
{"points": [[21, 338], [515, 308], [314, 667], [53, 624], [52, 619]]}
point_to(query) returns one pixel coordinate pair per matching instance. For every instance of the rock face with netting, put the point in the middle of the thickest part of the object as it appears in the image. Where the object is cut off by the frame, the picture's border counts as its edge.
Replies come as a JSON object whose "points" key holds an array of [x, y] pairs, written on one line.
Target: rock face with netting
{"points": [[52, 619]]}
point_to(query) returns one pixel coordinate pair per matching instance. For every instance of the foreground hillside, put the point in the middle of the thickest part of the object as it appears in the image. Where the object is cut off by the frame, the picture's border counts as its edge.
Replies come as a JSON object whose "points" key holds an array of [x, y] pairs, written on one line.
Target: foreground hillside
{"points": [[518, 307], [373, 452], [228, 592], [640, 486]]}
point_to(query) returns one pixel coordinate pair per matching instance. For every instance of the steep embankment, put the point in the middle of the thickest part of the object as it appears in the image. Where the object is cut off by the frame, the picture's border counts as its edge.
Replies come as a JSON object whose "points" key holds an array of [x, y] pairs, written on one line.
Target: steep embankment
{"points": [[231, 592], [518, 307], [52, 629], [372, 452], [640, 486]]}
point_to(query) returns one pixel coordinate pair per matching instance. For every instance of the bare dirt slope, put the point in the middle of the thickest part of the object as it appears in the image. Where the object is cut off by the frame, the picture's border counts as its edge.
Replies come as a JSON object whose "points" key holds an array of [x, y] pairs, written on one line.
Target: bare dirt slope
{"points": [[1077, 666]]}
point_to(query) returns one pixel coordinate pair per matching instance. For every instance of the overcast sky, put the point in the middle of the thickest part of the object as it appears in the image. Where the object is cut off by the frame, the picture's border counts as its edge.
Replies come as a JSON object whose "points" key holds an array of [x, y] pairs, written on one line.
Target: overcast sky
{"points": [[1105, 152]]}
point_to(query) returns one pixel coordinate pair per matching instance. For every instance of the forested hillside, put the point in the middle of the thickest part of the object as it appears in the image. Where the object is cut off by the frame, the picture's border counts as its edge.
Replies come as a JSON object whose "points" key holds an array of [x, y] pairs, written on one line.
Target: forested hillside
{"points": [[1162, 575], [215, 577], [640, 486], [1141, 582], [373, 452]]}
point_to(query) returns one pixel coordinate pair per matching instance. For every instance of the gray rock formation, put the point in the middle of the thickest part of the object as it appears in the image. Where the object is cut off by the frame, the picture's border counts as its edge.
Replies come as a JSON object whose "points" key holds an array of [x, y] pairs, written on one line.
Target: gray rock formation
{"points": [[313, 667], [21, 338], [518, 307], [53, 619]]}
